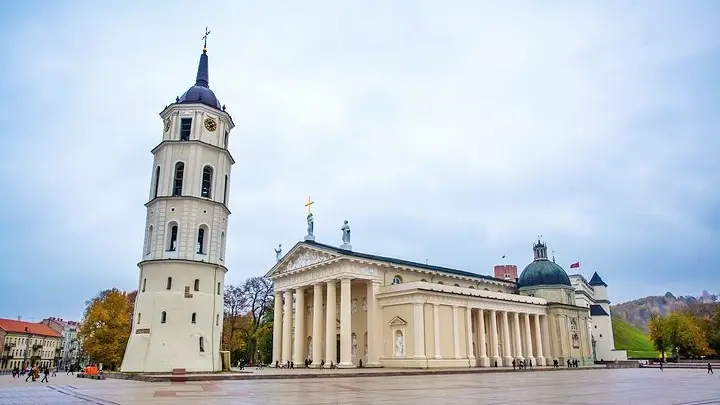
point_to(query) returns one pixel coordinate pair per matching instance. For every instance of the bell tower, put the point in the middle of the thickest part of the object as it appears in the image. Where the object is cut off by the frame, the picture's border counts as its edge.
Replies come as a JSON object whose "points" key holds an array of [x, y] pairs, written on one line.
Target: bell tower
{"points": [[178, 315]]}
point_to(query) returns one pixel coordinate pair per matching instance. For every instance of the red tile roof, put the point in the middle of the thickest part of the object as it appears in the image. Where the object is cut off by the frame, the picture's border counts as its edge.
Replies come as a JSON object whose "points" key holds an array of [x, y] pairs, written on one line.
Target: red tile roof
{"points": [[12, 326]]}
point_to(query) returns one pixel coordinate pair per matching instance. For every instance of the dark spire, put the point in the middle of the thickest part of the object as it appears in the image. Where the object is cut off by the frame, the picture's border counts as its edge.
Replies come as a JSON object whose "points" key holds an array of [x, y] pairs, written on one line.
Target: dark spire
{"points": [[202, 79], [596, 280]]}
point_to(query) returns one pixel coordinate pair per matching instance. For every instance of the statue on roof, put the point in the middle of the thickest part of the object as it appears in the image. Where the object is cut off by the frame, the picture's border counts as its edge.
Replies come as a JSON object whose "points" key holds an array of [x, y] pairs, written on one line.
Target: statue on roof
{"points": [[346, 233], [278, 252]]}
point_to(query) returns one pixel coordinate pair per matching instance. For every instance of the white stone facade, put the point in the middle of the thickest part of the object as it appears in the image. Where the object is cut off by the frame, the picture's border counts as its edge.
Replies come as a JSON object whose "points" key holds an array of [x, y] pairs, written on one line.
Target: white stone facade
{"points": [[346, 307], [179, 306]]}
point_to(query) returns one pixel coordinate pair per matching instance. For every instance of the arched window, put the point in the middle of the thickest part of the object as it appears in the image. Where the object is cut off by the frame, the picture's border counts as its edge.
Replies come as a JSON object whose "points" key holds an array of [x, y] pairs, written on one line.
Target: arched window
{"points": [[202, 240], [148, 248], [424, 280], [218, 292], [163, 317], [397, 280], [197, 285], [222, 246], [217, 319], [486, 289], [193, 318], [139, 317], [225, 141], [178, 182], [225, 189], [172, 237], [457, 285], [169, 283], [206, 181], [202, 345], [144, 284], [440, 282], [156, 181], [472, 287]]}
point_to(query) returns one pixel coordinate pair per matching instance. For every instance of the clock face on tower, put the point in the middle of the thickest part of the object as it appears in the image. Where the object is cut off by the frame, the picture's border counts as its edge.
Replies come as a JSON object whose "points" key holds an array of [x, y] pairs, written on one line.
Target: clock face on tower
{"points": [[210, 124], [167, 124]]}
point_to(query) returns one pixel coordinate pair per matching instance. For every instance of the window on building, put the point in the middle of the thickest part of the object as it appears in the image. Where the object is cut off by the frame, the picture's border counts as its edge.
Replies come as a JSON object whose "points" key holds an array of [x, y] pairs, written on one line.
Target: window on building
{"points": [[472, 287], [217, 319], [144, 284], [225, 189], [222, 245], [440, 282], [139, 317], [163, 317], [397, 280], [156, 182], [457, 285], [202, 345], [201, 243], [178, 181], [172, 242], [424, 280], [225, 140], [185, 127], [193, 319], [169, 283], [148, 250], [206, 181], [218, 290], [197, 284]]}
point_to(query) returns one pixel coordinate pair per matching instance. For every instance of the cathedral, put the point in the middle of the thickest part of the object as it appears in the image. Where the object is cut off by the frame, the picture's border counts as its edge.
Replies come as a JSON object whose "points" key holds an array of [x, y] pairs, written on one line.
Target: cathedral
{"points": [[178, 315], [351, 308]]}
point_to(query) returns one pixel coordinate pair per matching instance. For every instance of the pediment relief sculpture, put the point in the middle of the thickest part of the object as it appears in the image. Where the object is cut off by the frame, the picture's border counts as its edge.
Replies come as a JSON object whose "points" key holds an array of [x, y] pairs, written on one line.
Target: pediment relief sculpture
{"points": [[307, 258]]}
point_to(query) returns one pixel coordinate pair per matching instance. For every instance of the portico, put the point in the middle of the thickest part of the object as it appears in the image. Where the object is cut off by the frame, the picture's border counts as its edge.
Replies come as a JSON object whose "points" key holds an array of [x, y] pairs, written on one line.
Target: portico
{"points": [[348, 308]]}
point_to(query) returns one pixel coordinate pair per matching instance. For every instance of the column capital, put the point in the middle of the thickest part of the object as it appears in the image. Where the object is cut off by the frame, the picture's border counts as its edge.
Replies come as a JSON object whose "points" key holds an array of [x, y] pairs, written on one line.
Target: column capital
{"points": [[299, 289], [332, 281], [319, 284], [345, 279]]}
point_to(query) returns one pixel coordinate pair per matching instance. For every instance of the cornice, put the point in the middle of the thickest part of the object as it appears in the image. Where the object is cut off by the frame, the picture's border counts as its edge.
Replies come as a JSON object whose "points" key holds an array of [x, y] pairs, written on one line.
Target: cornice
{"points": [[193, 141], [434, 298], [217, 266], [188, 197]]}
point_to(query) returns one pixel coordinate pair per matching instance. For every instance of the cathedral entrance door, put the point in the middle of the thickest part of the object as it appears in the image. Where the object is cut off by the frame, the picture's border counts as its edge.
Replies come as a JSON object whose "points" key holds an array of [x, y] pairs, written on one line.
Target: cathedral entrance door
{"points": [[337, 351]]}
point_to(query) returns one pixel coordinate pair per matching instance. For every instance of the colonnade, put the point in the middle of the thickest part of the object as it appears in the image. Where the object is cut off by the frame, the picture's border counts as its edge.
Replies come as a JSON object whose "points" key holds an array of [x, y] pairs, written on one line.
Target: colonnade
{"points": [[293, 328], [504, 336]]}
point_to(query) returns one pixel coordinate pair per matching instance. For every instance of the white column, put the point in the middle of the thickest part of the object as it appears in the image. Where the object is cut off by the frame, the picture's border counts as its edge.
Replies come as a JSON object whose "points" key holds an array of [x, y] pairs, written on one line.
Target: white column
{"points": [[516, 334], [507, 344], [494, 338], [528, 339], [345, 325], [469, 329], [549, 355], [287, 328], [317, 324], [331, 323], [372, 329], [277, 328], [299, 352], [456, 333], [540, 359], [484, 361], [436, 330], [419, 330]]}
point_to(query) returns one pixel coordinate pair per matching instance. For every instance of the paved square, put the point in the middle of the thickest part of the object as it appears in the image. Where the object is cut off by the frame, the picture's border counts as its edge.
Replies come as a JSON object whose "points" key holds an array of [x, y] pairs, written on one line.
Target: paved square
{"points": [[628, 386]]}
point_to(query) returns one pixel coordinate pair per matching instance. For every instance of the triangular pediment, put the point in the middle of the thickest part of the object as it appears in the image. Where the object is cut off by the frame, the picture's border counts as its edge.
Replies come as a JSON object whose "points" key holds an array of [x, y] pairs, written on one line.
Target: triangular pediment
{"points": [[299, 257], [397, 321]]}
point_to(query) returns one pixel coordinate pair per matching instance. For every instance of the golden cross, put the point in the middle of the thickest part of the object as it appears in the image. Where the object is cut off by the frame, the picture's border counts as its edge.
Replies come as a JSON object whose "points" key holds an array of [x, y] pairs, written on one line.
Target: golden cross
{"points": [[309, 203]]}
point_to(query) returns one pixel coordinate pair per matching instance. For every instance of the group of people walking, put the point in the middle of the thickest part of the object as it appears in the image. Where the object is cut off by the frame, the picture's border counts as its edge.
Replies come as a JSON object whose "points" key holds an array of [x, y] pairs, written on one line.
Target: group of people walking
{"points": [[34, 373]]}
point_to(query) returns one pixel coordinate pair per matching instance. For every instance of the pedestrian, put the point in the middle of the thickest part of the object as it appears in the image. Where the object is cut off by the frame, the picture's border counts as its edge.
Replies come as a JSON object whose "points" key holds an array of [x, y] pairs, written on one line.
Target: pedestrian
{"points": [[661, 365], [710, 370], [513, 364], [54, 372], [46, 372]]}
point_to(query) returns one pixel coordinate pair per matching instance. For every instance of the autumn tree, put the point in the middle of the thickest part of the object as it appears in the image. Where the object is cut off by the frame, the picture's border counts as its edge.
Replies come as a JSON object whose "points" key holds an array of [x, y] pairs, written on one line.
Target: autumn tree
{"points": [[246, 308], [106, 326], [658, 331], [686, 334]]}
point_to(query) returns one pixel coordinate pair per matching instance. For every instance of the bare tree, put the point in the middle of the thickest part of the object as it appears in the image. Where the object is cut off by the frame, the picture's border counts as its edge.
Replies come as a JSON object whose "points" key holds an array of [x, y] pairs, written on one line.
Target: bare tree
{"points": [[234, 305], [257, 292]]}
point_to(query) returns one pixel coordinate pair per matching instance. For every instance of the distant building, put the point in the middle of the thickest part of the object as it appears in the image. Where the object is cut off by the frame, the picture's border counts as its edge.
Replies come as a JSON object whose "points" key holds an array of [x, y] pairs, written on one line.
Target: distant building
{"points": [[70, 343], [27, 343], [593, 295], [506, 272]]}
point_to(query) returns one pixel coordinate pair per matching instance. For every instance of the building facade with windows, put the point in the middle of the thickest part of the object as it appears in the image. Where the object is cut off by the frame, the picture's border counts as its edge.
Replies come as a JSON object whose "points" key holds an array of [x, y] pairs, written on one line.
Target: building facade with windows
{"points": [[593, 295], [27, 343], [334, 304], [179, 306], [70, 343]]}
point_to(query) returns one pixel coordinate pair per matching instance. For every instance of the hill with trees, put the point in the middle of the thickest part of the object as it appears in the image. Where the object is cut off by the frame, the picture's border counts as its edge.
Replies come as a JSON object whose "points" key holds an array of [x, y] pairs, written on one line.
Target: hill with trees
{"points": [[637, 312]]}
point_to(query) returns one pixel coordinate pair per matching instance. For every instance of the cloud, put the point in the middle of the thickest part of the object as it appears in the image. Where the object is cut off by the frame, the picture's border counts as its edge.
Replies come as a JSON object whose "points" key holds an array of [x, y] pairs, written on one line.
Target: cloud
{"points": [[454, 133]]}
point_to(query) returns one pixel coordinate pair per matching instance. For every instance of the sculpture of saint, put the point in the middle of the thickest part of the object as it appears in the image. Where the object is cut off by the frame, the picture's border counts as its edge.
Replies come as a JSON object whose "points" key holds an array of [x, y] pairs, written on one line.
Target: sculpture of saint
{"points": [[354, 305], [354, 345], [399, 344], [346, 233], [278, 252], [310, 224]]}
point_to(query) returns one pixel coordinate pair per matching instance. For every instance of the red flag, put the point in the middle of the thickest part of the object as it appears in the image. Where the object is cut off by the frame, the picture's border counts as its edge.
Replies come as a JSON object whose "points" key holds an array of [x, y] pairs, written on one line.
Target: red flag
{"points": [[575, 265]]}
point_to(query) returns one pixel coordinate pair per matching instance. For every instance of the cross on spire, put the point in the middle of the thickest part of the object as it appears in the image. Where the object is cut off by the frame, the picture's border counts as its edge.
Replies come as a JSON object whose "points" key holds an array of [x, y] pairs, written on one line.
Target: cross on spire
{"points": [[207, 32], [309, 203]]}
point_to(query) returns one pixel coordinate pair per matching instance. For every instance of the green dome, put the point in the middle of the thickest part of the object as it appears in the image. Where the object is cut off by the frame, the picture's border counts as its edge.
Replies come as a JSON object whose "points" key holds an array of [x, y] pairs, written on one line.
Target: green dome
{"points": [[543, 272]]}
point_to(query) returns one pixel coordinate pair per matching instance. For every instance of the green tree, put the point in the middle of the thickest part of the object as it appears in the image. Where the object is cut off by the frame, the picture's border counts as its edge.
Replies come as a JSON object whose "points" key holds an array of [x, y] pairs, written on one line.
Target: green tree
{"points": [[106, 327], [686, 333], [658, 332]]}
